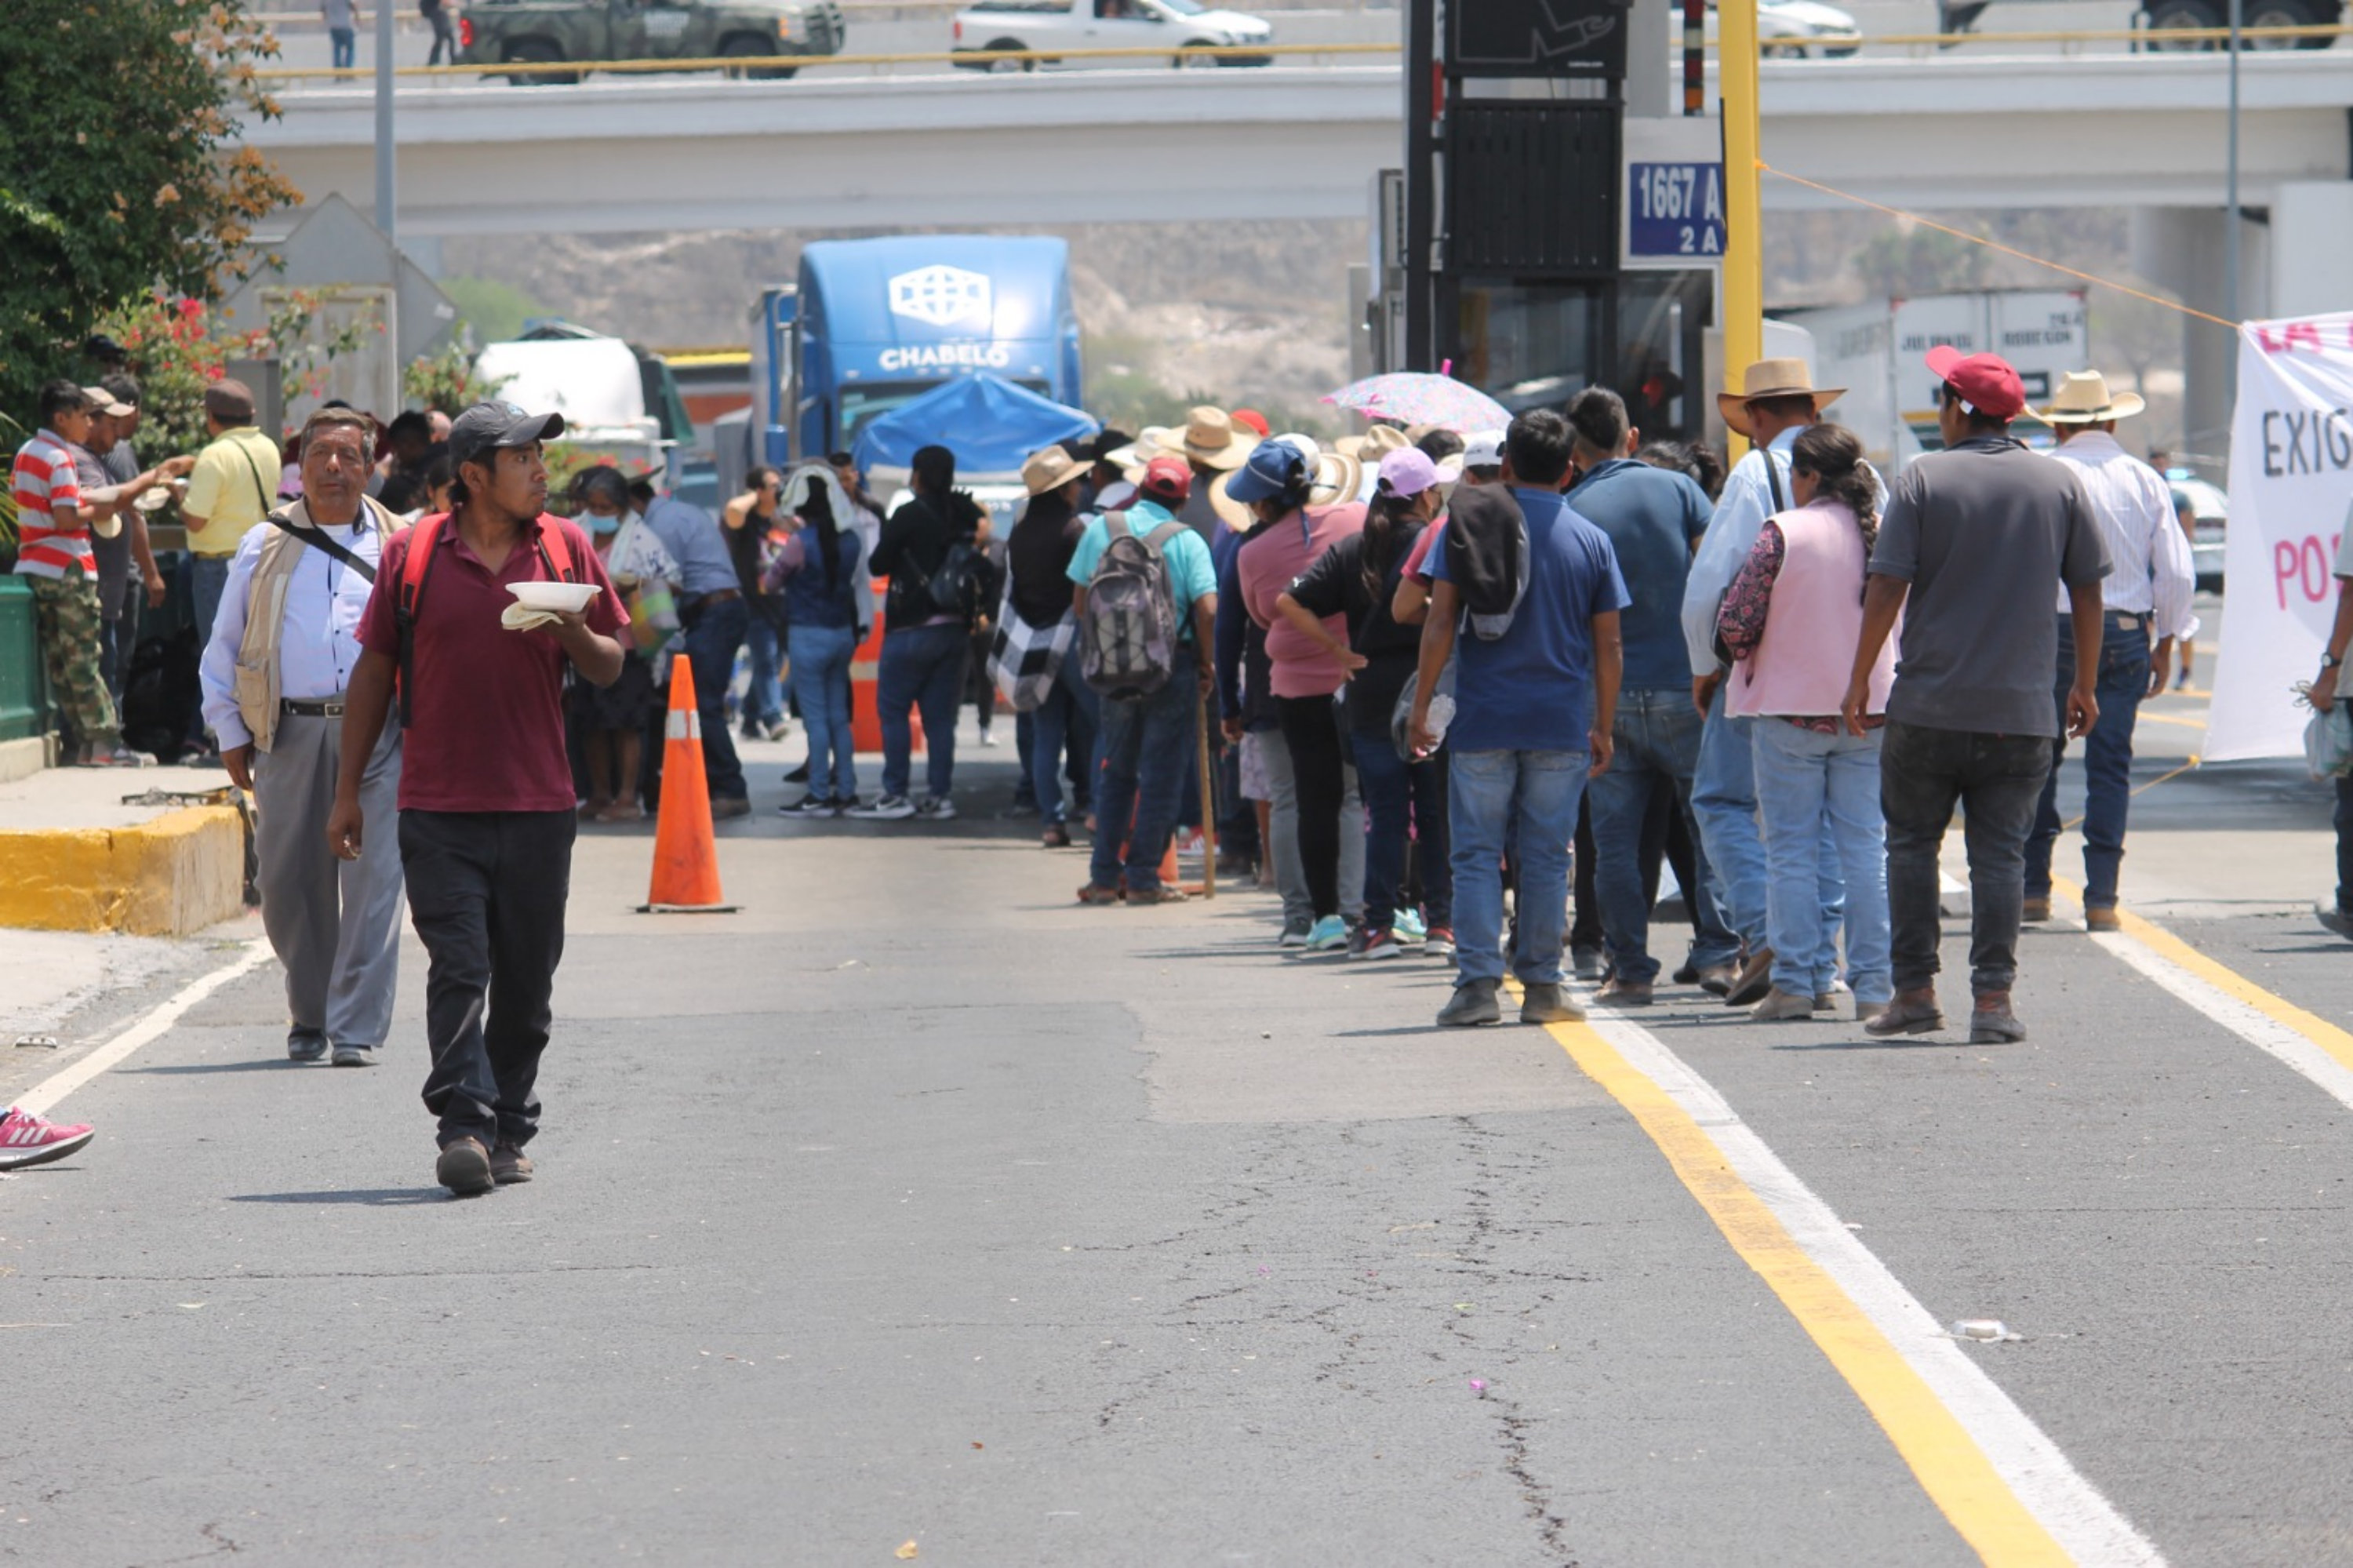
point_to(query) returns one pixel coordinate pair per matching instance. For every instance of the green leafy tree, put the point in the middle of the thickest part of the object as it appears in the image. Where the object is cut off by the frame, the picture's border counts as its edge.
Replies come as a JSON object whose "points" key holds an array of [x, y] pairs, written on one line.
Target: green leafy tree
{"points": [[119, 172], [1905, 261]]}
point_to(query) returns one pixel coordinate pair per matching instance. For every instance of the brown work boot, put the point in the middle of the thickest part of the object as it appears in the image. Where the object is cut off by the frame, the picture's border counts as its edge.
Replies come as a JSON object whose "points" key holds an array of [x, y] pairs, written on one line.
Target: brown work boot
{"points": [[509, 1164], [2102, 919], [464, 1168], [1912, 1012], [2035, 911], [1716, 978], [1991, 1022], [1779, 1006], [1623, 993], [1755, 979]]}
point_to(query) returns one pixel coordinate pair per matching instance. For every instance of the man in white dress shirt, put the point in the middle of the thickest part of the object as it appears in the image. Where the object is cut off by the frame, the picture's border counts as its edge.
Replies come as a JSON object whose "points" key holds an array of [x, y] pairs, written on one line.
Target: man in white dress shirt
{"points": [[1777, 401], [2147, 596], [274, 675]]}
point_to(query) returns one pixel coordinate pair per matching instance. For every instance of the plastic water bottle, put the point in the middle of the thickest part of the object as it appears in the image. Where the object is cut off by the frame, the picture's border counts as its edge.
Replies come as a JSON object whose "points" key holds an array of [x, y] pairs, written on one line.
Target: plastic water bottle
{"points": [[1441, 714]]}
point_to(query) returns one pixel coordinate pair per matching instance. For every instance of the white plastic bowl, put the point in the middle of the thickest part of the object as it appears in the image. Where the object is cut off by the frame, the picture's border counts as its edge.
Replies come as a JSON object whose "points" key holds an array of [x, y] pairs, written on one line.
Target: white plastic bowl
{"points": [[553, 595]]}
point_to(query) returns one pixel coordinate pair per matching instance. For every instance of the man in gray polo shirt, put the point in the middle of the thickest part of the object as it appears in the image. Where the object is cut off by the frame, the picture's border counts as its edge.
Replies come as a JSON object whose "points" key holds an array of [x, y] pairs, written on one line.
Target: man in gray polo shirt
{"points": [[1972, 538]]}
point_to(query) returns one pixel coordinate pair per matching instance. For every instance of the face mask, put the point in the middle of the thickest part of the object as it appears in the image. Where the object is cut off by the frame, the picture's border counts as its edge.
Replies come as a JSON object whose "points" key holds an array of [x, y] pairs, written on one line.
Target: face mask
{"points": [[605, 524]]}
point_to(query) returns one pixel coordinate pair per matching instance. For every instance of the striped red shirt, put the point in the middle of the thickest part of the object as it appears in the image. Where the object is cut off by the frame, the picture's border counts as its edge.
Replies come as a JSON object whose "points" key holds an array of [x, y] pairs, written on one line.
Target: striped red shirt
{"points": [[43, 480]]}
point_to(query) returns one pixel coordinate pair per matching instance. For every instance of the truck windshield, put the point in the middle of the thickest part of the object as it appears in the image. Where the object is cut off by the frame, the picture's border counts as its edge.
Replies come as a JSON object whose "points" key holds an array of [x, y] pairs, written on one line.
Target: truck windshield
{"points": [[863, 403]]}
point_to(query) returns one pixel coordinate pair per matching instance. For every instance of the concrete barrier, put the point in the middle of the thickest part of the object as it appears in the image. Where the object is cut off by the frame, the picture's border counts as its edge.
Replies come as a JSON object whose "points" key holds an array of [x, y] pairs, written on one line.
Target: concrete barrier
{"points": [[169, 877]]}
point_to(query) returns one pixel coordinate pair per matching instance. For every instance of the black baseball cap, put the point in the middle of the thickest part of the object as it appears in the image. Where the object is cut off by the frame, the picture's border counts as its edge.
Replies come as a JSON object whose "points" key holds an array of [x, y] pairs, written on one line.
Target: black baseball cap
{"points": [[488, 426]]}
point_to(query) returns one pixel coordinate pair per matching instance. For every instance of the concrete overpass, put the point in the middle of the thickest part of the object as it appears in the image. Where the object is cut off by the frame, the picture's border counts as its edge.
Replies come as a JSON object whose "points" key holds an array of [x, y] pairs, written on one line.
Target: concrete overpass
{"points": [[696, 152]]}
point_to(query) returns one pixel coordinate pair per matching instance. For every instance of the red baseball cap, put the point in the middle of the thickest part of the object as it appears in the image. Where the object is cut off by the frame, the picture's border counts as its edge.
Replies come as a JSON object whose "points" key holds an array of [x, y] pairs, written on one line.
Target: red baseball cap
{"points": [[1168, 479], [1254, 420], [1986, 382]]}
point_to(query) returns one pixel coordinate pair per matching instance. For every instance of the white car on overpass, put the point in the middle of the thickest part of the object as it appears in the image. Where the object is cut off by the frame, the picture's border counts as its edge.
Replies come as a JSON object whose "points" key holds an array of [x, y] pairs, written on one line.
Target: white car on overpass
{"points": [[1051, 26]]}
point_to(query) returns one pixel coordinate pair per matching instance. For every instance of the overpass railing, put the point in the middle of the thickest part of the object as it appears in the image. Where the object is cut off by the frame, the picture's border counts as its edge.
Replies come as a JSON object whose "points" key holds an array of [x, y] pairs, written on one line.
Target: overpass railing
{"points": [[2069, 41]]}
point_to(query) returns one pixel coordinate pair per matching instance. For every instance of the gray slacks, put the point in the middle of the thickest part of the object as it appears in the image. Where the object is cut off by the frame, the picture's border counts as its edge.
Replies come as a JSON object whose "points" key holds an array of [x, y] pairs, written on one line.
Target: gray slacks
{"points": [[334, 924]]}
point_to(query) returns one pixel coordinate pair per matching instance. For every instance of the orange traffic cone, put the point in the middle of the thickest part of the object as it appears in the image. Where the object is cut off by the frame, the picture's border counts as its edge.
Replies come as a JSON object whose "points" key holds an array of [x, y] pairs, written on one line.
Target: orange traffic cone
{"points": [[686, 859]]}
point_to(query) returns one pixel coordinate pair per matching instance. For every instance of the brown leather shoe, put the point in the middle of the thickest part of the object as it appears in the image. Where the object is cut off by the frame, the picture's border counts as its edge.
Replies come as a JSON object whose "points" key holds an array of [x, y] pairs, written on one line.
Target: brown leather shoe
{"points": [[1991, 1022], [1716, 978], [1916, 1015], [2105, 919], [509, 1165], [2036, 911], [723, 807], [1779, 1006], [1755, 979], [464, 1168], [1625, 993]]}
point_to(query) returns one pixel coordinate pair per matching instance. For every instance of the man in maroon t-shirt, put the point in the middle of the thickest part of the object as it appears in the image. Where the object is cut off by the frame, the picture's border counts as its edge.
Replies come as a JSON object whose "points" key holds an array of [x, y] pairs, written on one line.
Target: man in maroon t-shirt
{"points": [[487, 812]]}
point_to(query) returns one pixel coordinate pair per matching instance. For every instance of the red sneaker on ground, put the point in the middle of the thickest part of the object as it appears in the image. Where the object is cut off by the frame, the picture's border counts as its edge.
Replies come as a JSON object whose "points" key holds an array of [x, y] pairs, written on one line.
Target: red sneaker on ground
{"points": [[29, 1140]]}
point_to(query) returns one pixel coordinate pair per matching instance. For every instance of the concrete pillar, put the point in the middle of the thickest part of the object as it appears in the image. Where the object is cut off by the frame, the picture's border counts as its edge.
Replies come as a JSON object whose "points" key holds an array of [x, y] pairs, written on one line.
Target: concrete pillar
{"points": [[2311, 236], [2182, 250]]}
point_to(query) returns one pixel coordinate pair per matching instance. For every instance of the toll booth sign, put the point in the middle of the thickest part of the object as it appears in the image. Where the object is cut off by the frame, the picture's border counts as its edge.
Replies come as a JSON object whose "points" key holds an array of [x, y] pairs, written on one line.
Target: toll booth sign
{"points": [[1675, 211]]}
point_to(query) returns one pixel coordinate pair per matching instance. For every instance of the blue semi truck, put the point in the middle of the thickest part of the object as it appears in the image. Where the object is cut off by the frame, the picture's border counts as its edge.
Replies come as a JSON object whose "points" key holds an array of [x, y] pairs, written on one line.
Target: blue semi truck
{"points": [[874, 324]]}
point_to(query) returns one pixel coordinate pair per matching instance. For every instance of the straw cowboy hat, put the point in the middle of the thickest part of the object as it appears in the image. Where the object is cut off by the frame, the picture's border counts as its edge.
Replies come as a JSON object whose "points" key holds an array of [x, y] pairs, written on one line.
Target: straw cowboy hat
{"points": [[2084, 399], [1773, 378], [1373, 445], [1337, 478], [1207, 437], [1051, 469]]}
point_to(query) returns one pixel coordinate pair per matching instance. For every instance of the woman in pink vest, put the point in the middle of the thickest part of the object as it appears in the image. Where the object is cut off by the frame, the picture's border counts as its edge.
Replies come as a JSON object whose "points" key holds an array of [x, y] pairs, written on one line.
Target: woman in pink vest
{"points": [[1791, 622]]}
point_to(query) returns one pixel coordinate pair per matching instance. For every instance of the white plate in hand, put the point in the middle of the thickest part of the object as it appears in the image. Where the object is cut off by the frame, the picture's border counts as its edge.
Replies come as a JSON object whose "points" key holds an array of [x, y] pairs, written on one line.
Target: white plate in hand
{"points": [[553, 595]]}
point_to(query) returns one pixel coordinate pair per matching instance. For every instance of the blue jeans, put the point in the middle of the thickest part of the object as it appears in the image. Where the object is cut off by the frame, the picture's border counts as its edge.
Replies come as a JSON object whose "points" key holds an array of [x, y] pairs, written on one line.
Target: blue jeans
{"points": [[1148, 749], [1067, 716], [714, 631], [820, 659], [1819, 790], [1526, 800], [342, 42], [763, 700], [1724, 804], [1398, 794], [2345, 843], [208, 580], [1658, 736], [921, 668], [2108, 762]]}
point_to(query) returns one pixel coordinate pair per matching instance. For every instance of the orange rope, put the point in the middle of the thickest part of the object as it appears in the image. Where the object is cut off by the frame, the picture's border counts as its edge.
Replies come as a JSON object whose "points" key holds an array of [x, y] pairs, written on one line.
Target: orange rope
{"points": [[1991, 244]]}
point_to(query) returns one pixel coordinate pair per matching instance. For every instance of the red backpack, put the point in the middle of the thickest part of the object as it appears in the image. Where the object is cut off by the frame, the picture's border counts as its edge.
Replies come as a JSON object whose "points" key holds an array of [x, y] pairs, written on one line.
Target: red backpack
{"points": [[416, 570]]}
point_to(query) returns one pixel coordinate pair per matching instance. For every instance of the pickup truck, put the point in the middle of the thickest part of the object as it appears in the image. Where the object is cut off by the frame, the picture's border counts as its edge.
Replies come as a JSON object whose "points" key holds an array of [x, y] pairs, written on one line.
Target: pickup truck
{"points": [[550, 32], [1961, 17], [1049, 25]]}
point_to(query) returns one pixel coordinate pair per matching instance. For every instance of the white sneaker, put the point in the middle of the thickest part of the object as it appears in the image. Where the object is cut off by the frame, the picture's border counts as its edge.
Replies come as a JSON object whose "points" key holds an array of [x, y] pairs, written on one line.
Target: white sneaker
{"points": [[889, 809], [988, 737]]}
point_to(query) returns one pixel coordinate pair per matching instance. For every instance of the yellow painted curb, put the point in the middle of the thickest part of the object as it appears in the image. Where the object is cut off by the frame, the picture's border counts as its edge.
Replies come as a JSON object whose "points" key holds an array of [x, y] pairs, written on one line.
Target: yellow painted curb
{"points": [[175, 876]]}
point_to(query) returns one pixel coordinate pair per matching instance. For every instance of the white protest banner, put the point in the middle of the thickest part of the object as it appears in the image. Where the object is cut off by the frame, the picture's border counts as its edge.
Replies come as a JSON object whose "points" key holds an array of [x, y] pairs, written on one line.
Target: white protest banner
{"points": [[2290, 481]]}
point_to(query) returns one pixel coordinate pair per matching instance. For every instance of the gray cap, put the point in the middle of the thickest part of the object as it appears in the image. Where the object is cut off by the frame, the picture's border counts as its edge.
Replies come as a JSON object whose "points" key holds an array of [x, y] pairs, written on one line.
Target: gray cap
{"points": [[486, 425]]}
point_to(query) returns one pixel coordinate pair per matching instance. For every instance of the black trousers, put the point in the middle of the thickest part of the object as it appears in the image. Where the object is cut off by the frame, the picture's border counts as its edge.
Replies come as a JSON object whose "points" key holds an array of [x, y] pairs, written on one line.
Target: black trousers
{"points": [[1311, 731], [486, 892]]}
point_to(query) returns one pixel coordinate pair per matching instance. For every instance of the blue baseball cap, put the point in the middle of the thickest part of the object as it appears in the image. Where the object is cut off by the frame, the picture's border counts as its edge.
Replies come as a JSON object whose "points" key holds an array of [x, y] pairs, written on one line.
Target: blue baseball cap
{"points": [[1272, 468]]}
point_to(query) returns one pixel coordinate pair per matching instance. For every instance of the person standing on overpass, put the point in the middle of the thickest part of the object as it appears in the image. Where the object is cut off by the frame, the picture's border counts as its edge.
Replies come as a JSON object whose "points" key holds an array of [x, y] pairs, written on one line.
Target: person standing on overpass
{"points": [[1971, 540], [487, 812], [2148, 595]]}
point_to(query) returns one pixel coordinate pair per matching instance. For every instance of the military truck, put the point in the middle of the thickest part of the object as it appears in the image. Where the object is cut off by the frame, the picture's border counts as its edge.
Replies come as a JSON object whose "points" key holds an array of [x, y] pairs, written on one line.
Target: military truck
{"points": [[552, 32]]}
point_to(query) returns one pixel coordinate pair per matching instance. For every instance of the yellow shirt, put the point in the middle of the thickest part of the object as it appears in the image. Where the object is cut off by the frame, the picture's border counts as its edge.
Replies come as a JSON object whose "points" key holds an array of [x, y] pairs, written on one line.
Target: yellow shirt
{"points": [[229, 492]]}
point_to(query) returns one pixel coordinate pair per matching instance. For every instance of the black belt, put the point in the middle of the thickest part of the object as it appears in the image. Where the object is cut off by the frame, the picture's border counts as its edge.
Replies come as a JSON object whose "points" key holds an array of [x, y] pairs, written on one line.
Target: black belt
{"points": [[330, 707], [720, 596]]}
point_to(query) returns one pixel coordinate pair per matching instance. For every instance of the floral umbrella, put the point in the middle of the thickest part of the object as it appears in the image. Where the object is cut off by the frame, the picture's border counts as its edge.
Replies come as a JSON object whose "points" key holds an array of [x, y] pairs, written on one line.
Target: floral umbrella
{"points": [[1420, 397]]}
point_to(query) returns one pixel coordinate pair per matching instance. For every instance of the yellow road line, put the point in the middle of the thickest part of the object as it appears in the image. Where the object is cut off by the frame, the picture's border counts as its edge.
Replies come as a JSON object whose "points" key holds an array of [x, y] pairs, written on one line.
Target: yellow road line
{"points": [[1950, 1465], [2149, 717], [2334, 1042]]}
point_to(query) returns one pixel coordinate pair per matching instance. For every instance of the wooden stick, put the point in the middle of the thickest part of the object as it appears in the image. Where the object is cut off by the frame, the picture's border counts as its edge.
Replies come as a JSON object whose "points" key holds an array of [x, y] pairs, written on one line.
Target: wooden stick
{"points": [[1209, 805]]}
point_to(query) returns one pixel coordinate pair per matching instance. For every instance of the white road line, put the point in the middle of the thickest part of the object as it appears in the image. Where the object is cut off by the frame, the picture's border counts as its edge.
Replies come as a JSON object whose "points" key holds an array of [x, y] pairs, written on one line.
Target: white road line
{"points": [[2295, 1051], [150, 1027], [2084, 1524]]}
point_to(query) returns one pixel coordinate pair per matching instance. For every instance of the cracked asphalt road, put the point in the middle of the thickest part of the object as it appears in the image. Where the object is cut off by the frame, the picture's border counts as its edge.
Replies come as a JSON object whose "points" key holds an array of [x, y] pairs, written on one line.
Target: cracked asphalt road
{"points": [[917, 1203]]}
